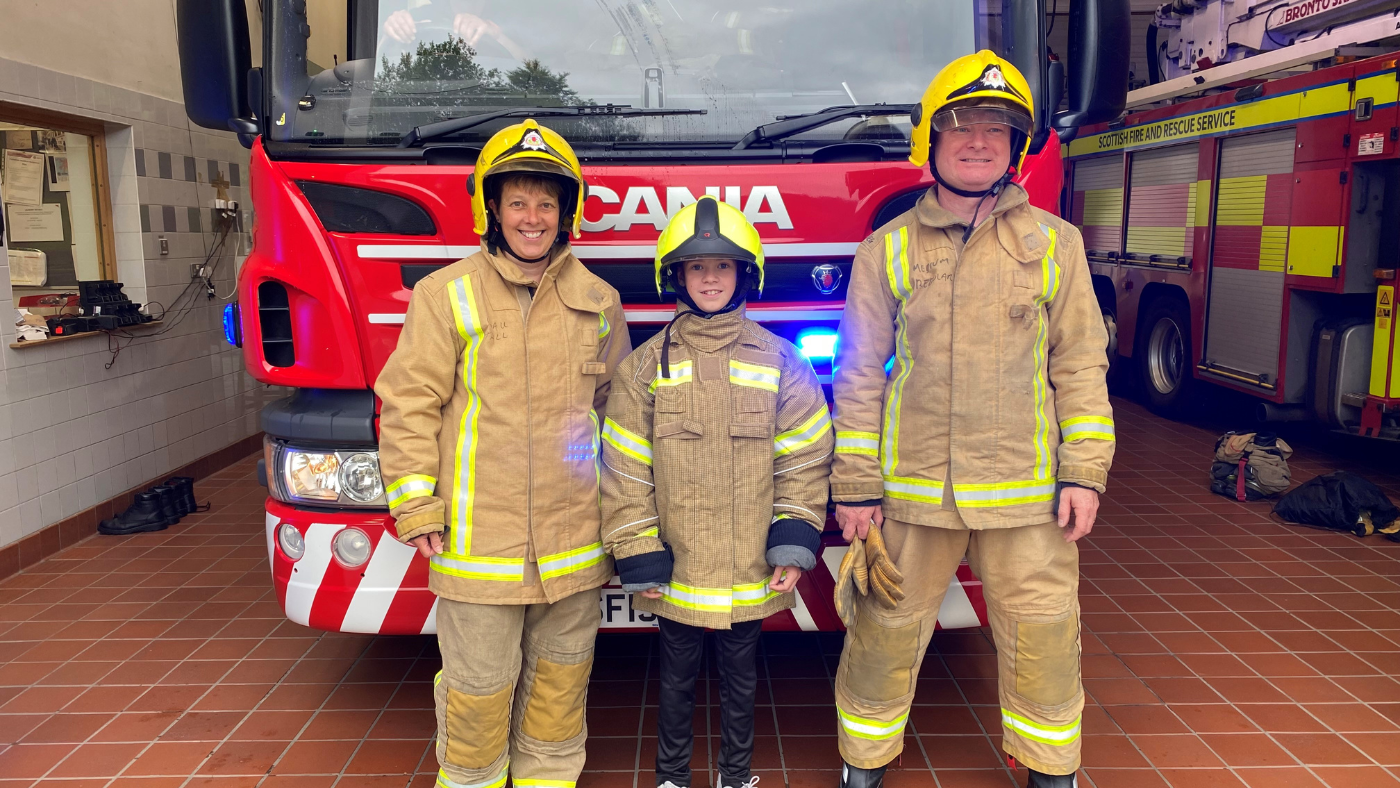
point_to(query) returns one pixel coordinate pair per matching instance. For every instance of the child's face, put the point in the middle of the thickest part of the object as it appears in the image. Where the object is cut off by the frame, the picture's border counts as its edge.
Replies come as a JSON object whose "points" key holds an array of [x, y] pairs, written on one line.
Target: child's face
{"points": [[710, 281]]}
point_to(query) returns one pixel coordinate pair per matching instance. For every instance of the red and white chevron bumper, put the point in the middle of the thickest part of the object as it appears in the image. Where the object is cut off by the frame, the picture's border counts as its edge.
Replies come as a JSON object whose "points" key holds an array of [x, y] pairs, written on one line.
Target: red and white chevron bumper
{"points": [[389, 593]]}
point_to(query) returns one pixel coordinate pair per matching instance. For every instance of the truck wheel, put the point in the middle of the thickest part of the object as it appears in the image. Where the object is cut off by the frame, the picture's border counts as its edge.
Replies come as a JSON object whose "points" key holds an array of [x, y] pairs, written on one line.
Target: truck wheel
{"points": [[1164, 356]]}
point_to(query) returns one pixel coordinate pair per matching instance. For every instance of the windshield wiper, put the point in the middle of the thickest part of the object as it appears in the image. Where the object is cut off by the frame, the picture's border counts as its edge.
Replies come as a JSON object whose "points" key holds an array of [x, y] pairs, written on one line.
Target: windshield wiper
{"points": [[452, 125], [796, 124]]}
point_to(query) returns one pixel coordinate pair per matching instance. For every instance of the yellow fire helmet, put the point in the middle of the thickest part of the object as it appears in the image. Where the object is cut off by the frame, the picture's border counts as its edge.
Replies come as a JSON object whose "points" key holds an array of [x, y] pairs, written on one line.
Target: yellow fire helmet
{"points": [[708, 228], [528, 147], [976, 88]]}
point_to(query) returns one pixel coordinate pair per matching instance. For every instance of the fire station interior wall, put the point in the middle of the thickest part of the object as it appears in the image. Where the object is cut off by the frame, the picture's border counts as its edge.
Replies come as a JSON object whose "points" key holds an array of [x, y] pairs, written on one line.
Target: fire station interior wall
{"points": [[1162, 201], [72, 433], [1373, 225], [1245, 316]]}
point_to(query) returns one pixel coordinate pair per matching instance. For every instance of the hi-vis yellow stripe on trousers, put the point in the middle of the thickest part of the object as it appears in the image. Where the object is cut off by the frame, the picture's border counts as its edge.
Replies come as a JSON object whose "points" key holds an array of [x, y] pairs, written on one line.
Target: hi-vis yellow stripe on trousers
{"points": [[443, 781], [1054, 735], [1050, 285], [804, 435], [414, 485], [897, 267], [757, 376], [851, 442], [1091, 427], [864, 728], [457, 559], [560, 564], [627, 442]]}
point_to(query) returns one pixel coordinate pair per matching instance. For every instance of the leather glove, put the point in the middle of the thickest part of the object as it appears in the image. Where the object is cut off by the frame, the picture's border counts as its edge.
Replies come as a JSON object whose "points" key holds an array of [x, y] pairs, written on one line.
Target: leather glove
{"points": [[885, 578], [851, 578]]}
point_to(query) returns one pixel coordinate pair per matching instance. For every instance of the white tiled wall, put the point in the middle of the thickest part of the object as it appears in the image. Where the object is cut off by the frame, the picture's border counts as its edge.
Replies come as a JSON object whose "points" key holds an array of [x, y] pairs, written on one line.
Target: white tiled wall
{"points": [[74, 432]]}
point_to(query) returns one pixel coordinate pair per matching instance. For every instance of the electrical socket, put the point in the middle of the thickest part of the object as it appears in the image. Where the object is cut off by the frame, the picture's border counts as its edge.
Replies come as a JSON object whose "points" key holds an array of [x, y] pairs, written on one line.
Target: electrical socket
{"points": [[197, 271]]}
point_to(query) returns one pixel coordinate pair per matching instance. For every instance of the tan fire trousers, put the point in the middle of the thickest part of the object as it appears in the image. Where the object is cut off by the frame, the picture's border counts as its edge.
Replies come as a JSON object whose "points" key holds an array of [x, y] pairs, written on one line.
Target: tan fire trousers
{"points": [[512, 691], [1030, 580]]}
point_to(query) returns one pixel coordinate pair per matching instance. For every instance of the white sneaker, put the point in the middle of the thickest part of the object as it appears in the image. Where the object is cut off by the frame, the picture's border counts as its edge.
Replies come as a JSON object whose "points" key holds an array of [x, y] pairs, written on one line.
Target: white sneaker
{"points": [[669, 784], [752, 783]]}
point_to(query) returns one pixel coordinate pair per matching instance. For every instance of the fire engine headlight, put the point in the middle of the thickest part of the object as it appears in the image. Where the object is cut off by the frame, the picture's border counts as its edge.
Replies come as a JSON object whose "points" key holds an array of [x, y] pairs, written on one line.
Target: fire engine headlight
{"points": [[312, 476], [351, 547], [359, 478], [289, 539]]}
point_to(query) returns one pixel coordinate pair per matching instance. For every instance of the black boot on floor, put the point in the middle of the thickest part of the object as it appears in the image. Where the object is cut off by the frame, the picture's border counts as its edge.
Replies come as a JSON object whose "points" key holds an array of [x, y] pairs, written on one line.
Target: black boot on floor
{"points": [[1039, 780], [144, 514], [184, 485], [852, 777], [169, 502]]}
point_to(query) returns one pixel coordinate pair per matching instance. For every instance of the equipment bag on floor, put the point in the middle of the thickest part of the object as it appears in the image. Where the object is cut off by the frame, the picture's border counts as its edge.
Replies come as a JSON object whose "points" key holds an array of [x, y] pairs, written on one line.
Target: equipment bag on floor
{"points": [[1340, 501], [1250, 465]]}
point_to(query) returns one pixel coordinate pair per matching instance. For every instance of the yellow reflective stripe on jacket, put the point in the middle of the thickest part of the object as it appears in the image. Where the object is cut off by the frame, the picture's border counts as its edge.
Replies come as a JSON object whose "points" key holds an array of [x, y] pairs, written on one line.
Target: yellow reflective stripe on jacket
{"points": [[652, 531], [603, 330], [983, 496], [1050, 279], [867, 443], [680, 373], [414, 485], [1056, 735], [897, 262], [897, 267], [471, 328], [475, 567], [804, 435], [559, 564], [443, 781], [865, 728], [1080, 427], [627, 442], [742, 373], [919, 490], [753, 593], [711, 600]]}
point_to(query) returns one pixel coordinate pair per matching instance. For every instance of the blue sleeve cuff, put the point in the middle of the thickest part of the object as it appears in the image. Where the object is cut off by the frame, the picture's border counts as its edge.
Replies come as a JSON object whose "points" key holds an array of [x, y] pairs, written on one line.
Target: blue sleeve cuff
{"points": [[646, 569], [786, 533]]}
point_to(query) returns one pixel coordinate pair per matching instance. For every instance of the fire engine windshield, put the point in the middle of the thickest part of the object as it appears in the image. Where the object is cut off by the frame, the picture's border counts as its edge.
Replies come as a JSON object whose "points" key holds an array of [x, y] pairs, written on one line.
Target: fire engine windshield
{"points": [[370, 76]]}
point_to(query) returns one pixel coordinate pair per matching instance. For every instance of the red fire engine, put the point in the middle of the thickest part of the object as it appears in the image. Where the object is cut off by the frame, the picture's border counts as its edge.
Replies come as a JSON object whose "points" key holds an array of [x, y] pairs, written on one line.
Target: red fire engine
{"points": [[366, 117]]}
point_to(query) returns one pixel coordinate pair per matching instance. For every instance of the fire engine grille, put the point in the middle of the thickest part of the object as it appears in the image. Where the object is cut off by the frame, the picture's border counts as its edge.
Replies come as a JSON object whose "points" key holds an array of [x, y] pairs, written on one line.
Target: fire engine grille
{"points": [[275, 320]]}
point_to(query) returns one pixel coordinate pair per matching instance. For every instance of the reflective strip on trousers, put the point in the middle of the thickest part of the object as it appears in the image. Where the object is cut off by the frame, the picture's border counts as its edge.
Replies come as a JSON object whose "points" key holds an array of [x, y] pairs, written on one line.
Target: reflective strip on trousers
{"points": [[444, 781], [982, 496], [867, 443], [478, 567], [415, 485], [470, 328], [914, 490], [1092, 427], [565, 563], [751, 594], [680, 373], [806, 433], [710, 600], [1055, 735], [877, 730], [757, 376], [627, 442], [1050, 278]]}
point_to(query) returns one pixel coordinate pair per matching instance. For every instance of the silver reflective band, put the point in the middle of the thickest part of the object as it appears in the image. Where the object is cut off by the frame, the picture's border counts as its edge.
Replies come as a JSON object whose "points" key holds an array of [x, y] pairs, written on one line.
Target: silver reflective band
{"points": [[1008, 492], [484, 569], [873, 444]]}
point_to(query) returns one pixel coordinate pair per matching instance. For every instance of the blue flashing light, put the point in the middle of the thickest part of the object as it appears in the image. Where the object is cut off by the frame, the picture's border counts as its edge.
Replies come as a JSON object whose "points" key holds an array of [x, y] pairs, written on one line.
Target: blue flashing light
{"points": [[232, 332], [817, 343]]}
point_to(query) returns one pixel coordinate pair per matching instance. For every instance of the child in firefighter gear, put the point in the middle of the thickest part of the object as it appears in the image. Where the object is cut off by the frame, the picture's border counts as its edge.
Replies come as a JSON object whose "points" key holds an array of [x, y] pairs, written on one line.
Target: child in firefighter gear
{"points": [[488, 443], [716, 449], [990, 437]]}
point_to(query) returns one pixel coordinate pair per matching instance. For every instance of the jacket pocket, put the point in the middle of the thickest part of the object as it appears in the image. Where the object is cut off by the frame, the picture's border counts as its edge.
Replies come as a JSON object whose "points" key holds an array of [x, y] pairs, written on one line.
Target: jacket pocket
{"points": [[670, 399], [680, 430]]}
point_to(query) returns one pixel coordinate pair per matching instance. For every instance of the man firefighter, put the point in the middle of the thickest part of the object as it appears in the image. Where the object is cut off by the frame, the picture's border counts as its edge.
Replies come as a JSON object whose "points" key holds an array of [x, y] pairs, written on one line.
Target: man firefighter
{"points": [[488, 441], [991, 435]]}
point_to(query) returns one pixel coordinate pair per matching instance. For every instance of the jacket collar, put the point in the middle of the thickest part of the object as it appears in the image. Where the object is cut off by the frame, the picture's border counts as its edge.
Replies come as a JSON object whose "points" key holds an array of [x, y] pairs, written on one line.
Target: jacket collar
{"points": [[708, 335], [1016, 226], [577, 288]]}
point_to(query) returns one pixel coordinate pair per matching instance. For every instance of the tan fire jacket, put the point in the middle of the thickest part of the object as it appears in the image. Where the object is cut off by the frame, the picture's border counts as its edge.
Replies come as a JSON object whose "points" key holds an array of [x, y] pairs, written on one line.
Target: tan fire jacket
{"points": [[996, 388], [489, 426], [705, 461]]}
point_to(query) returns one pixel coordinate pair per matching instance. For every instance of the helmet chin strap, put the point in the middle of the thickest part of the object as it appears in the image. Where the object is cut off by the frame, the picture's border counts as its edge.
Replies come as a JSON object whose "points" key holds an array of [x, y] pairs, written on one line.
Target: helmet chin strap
{"points": [[741, 291], [990, 191]]}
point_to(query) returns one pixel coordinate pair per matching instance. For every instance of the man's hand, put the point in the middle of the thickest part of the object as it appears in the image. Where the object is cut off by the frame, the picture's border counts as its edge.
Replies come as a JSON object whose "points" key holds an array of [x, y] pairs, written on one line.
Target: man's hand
{"points": [[429, 544], [855, 520], [472, 27], [785, 578], [401, 27], [652, 593], [1082, 504]]}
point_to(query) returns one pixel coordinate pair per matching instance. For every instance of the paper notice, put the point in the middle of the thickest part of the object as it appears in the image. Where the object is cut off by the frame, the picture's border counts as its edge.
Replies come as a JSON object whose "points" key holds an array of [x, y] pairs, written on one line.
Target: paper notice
{"points": [[35, 223], [58, 173], [24, 177], [19, 140]]}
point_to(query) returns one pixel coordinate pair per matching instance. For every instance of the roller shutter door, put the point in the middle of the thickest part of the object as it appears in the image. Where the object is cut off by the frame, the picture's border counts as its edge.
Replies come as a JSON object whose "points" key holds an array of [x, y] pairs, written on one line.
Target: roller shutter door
{"points": [[1097, 207], [1162, 205], [1248, 252]]}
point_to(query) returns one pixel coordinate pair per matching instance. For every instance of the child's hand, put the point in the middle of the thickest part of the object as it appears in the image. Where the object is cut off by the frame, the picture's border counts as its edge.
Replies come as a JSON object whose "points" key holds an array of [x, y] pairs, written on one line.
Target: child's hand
{"points": [[785, 578], [652, 593]]}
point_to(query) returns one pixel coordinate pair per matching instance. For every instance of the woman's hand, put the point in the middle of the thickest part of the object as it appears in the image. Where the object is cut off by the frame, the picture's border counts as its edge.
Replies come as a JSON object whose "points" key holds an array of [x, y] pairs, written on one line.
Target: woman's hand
{"points": [[401, 27], [785, 578]]}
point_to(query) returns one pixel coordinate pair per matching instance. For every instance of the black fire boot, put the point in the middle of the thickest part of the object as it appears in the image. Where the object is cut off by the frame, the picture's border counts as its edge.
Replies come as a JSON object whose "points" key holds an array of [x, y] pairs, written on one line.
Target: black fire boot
{"points": [[184, 485], [144, 514], [169, 502], [852, 777], [1039, 780]]}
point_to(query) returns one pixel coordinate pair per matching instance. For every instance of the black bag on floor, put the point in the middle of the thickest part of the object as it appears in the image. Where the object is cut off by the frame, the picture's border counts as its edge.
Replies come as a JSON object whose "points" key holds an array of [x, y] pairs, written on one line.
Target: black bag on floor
{"points": [[1340, 501]]}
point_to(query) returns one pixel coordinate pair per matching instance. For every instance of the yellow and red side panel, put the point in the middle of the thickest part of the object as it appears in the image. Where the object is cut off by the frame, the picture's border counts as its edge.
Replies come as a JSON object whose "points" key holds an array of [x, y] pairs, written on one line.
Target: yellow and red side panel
{"points": [[1162, 202], [1315, 236], [1096, 207]]}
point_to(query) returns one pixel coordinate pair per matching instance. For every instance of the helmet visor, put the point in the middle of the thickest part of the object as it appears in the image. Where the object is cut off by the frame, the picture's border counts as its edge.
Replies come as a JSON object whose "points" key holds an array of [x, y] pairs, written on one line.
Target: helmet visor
{"points": [[957, 117]]}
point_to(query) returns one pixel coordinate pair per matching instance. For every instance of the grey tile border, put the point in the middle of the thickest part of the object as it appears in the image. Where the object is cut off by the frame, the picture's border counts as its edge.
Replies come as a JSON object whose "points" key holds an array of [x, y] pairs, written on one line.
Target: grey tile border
{"points": [[234, 178], [189, 169], [145, 218], [196, 220], [140, 162], [165, 171], [168, 217]]}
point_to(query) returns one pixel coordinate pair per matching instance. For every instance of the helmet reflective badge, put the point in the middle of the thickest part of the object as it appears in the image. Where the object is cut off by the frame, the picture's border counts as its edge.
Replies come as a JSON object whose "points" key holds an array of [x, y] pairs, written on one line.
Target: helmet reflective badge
{"points": [[533, 141]]}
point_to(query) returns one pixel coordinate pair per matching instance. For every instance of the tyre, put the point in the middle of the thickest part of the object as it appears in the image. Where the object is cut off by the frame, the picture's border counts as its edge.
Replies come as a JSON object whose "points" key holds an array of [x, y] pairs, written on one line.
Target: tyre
{"points": [[1110, 326], [1164, 357]]}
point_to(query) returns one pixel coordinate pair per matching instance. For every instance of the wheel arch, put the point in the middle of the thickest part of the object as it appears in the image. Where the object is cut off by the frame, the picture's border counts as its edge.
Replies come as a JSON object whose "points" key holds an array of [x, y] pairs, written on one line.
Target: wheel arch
{"points": [[1153, 292]]}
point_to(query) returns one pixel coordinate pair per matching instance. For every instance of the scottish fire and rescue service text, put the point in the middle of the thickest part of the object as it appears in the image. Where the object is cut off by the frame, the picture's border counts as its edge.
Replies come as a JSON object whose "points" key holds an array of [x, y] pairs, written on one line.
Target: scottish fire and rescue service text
{"points": [[1206, 123]]}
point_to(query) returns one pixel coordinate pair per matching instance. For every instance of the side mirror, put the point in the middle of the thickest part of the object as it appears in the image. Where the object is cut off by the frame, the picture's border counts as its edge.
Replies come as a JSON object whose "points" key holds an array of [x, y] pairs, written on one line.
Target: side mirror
{"points": [[1099, 36], [214, 60]]}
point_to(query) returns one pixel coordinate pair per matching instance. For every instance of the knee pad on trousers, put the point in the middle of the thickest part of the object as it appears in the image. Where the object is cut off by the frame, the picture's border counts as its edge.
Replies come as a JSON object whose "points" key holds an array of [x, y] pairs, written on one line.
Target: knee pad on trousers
{"points": [[476, 727], [1047, 661], [557, 696], [879, 661]]}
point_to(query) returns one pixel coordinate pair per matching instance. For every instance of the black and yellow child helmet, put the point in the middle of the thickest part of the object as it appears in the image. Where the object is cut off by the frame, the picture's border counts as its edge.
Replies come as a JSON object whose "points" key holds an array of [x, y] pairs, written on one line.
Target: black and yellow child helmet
{"points": [[708, 228]]}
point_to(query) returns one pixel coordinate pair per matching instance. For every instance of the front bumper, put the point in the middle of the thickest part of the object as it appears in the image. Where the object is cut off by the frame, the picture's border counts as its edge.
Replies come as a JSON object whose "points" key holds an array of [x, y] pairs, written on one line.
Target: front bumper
{"points": [[389, 594]]}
